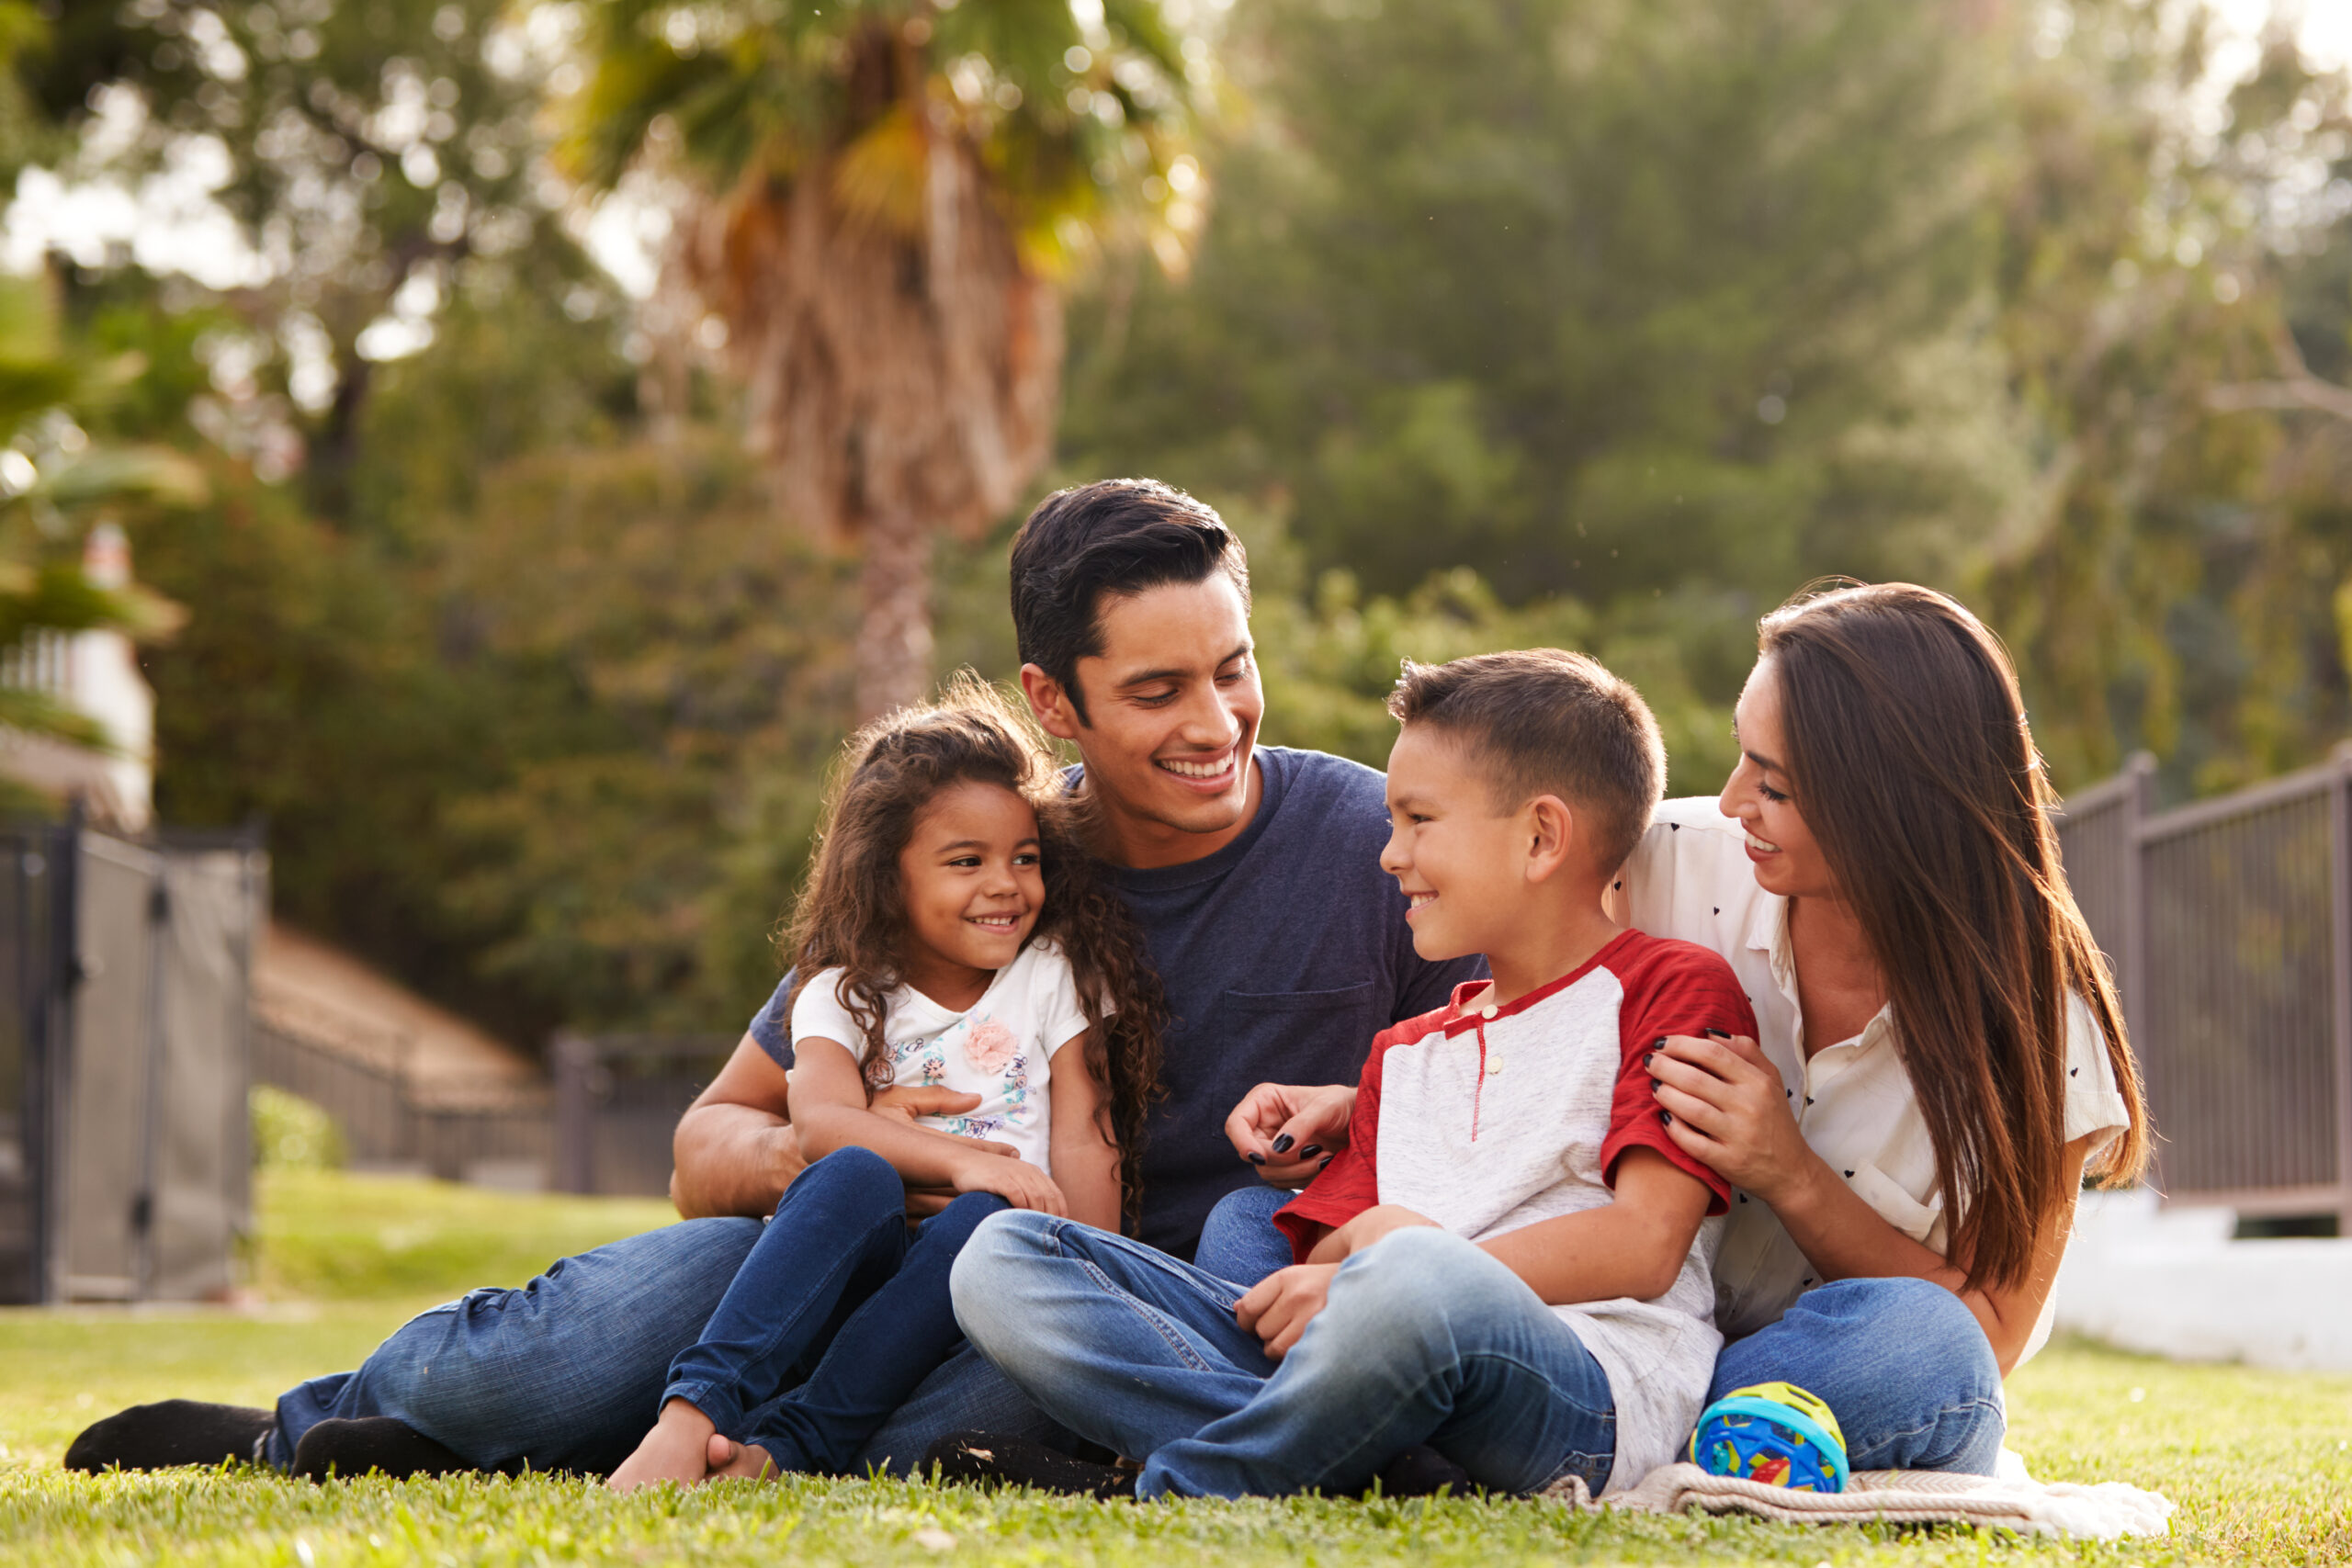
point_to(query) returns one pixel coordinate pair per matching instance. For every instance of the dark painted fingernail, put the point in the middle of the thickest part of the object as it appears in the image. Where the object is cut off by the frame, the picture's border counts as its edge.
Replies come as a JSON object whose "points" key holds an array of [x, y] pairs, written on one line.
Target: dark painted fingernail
{"points": [[1648, 1059], [1282, 1144], [1657, 1083], [1658, 1044], [1666, 1117], [1255, 1159], [1327, 1159], [1718, 1034], [1310, 1151]]}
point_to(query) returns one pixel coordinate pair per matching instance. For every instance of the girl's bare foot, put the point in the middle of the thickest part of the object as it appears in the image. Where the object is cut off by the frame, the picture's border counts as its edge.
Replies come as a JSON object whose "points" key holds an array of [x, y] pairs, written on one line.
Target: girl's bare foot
{"points": [[675, 1450], [744, 1460]]}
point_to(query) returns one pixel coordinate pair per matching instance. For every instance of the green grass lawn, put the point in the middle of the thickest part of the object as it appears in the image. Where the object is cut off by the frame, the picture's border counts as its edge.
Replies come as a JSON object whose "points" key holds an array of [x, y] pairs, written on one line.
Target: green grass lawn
{"points": [[2258, 1461]]}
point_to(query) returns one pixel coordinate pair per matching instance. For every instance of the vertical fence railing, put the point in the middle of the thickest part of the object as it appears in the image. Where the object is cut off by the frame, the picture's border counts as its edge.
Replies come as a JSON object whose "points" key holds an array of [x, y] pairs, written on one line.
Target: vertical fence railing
{"points": [[2228, 925], [618, 1100]]}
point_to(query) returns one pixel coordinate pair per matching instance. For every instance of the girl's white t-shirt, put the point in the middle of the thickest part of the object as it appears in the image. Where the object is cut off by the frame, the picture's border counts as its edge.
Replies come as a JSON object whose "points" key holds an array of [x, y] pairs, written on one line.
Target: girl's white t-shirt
{"points": [[1001, 1048]]}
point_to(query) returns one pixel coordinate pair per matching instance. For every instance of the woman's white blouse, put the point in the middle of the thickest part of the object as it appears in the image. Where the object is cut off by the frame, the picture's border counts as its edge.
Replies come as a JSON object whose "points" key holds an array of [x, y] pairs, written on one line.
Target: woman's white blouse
{"points": [[1690, 878]]}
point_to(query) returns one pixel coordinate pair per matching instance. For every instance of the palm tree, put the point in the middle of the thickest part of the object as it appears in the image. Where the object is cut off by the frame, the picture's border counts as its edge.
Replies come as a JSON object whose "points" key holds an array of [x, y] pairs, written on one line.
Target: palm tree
{"points": [[55, 483], [891, 194]]}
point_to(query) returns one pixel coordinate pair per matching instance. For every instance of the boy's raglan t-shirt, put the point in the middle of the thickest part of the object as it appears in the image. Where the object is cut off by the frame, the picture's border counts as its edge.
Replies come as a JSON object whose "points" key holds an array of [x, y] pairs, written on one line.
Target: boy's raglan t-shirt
{"points": [[1284, 953], [1487, 1119]]}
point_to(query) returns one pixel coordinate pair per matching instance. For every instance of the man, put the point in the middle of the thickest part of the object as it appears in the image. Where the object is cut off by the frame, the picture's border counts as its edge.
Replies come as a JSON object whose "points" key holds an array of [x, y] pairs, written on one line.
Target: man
{"points": [[1255, 876]]}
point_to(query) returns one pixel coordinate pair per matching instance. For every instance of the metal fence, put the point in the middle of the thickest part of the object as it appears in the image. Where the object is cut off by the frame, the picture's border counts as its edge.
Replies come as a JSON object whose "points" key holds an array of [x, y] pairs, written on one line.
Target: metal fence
{"points": [[493, 1131], [618, 1100], [123, 1047], [2227, 924], [603, 1126]]}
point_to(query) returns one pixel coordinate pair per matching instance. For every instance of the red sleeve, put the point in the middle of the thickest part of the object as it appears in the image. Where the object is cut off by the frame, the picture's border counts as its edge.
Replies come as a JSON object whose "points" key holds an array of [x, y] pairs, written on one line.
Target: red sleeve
{"points": [[1350, 1183], [1671, 987]]}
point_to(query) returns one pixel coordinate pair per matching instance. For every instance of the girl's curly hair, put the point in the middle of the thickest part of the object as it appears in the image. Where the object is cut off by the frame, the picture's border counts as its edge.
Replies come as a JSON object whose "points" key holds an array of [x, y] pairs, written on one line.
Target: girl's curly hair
{"points": [[852, 913]]}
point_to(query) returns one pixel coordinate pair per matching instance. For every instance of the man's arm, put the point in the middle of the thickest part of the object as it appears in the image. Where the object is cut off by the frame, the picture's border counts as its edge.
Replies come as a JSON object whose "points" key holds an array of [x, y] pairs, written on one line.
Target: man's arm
{"points": [[735, 1152]]}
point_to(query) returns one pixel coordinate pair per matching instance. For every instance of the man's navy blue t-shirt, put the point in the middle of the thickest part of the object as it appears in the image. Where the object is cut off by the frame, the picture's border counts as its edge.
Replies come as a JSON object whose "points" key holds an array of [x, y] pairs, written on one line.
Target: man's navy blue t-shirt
{"points": [[1283, 955]]}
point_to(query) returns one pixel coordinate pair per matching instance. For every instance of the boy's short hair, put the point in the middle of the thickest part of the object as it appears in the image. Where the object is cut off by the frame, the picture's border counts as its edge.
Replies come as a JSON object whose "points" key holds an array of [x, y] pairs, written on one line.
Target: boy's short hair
{"points": [[1542, 721], [1114, 536]]}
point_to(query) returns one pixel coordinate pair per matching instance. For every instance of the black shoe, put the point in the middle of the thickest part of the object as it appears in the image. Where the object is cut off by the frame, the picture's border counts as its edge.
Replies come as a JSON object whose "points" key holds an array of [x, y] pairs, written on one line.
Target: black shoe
{"points": [[373, 1444], [175, 1432], [976, 1459], [1422, 1472]]}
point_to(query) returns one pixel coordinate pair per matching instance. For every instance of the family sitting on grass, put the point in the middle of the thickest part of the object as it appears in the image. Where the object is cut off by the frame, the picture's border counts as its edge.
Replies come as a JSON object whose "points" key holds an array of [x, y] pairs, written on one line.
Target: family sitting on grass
{"points": [[1558, 1111]]}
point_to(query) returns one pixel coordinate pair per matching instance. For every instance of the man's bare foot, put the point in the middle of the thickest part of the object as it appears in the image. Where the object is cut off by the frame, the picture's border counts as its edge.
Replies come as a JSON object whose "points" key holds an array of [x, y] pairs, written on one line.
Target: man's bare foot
{"points": [[675, 1450], [745, 1461]]}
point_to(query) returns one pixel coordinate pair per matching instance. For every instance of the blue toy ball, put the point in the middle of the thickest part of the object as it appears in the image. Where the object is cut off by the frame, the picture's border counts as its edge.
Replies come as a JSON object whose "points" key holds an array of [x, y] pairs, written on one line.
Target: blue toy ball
{"points": [[1776, 1433]]}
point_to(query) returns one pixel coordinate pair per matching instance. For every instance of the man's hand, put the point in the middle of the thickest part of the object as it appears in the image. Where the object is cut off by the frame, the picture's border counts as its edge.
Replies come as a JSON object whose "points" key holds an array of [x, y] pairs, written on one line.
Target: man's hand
{"points": [[906, 1102], [1289, 1131], [1280, 1306], [1016, 1181], [1731, 1110]]}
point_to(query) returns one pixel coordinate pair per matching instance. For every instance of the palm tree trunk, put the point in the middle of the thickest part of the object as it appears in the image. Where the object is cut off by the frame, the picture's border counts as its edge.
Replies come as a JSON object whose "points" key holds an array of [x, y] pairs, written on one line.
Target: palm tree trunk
{"points": [[894, 628]]}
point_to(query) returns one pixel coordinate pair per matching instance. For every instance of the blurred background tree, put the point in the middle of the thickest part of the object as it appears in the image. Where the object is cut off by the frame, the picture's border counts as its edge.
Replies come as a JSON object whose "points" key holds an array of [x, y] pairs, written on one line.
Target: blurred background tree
{"points": [[1512, 321], [886, 199]]}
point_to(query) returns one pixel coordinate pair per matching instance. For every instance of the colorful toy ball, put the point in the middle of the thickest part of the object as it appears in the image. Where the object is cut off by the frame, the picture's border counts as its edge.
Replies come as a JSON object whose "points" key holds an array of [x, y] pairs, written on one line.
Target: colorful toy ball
{"points": [[1775, 1433]]}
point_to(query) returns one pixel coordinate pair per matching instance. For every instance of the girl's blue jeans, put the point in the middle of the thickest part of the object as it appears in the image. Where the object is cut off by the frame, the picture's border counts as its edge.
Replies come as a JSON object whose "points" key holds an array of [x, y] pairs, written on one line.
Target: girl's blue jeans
{"points": [[838, 1299]]}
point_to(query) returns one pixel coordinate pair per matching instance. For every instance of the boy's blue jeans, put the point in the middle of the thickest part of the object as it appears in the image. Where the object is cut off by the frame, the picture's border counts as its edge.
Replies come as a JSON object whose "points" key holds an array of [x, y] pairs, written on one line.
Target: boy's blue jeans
{"points": [[566, 1371], [1424, 1339], [1902, 1362], [837, 1279], [1904, 1366]]}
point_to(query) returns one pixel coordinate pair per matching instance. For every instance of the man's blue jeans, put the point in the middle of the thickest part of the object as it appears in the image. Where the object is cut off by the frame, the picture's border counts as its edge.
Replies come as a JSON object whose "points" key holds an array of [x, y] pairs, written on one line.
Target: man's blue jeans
{"points": [[836, 1279], [1903, 1366], [1424, 1339], [567, 1372]]}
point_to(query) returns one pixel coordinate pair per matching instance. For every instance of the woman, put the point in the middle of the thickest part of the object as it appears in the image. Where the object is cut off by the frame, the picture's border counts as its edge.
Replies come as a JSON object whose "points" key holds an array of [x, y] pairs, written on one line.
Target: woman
{"points": [[1941, 1058]]}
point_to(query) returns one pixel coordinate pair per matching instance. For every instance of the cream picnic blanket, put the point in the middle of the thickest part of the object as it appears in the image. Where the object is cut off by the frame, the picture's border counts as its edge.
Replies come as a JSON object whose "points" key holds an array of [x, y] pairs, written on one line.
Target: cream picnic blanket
{"points": [[2012, 1501]]}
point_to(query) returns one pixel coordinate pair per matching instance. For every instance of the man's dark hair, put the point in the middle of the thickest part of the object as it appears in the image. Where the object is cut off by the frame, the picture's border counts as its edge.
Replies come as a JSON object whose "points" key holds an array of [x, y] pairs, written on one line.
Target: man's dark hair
{"points": [[1540, 721], [1118, 538]]}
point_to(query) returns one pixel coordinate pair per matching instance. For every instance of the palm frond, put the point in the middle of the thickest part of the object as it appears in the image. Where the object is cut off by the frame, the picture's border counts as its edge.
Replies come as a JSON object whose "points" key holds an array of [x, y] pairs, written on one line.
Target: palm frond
{"points": [[36, 713]]}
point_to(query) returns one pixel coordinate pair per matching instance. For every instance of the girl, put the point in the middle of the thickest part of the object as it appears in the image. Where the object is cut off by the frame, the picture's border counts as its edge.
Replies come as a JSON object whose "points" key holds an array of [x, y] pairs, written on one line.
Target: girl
{"points": [[951, 934]]}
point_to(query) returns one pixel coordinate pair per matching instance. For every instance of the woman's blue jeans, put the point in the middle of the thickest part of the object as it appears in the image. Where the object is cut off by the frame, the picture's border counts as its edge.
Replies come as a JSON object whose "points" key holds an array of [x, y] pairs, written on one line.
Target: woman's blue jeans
{"points": [[1903, 1366], [836, 1279], [1424, 1338]]}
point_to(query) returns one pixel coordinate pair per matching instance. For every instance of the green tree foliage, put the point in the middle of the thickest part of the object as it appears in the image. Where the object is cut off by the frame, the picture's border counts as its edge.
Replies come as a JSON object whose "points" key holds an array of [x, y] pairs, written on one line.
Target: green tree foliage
{"points": [[1659, 309], [1573, 321], [1575, 294], [2164, 272], [886, 195], [380, 157]]}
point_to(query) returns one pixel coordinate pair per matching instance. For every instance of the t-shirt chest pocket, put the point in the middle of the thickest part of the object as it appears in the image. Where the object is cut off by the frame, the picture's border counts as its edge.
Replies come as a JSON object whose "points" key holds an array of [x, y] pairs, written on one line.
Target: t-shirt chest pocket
{"points": [[1313, 1036]]}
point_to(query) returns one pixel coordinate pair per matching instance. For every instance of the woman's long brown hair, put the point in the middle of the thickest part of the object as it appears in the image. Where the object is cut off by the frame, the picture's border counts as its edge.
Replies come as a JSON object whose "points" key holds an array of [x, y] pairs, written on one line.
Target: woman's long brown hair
{"points": [[1914, 768], [852, 914]]}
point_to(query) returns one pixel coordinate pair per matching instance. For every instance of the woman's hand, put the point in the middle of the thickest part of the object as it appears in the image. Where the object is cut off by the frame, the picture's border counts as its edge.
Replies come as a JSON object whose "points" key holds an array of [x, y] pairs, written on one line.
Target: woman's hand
{"points": [[1016, 1181], [1279, 1307], [1289, 1131], [1730, 1108]]}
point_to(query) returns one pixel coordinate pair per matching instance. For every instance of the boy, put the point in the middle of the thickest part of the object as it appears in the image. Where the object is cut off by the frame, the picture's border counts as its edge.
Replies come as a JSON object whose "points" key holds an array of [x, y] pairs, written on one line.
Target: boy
{"points": [[1437, 1255]]}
